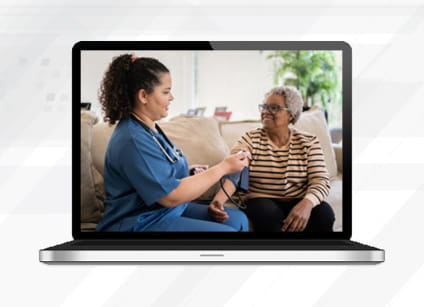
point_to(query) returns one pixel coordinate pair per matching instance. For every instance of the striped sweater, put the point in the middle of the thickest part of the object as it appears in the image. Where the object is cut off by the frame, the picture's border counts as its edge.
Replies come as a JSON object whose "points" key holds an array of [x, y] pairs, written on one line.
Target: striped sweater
{"points": [[295, 170]]}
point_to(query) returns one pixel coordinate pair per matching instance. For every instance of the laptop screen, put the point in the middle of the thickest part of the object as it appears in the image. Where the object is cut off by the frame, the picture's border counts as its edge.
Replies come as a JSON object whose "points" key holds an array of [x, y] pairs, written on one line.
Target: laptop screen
{"points": [[211, 140]]}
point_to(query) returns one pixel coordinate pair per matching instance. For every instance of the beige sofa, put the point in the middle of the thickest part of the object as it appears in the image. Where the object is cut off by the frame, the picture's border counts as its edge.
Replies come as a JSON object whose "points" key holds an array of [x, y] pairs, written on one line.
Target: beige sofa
{"points": [[203, 141]]}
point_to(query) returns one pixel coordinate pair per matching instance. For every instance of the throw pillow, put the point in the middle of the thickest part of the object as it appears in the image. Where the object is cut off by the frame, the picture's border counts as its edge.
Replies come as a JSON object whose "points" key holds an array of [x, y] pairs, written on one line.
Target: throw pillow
{"points": [[90, 212], [313, 122]]}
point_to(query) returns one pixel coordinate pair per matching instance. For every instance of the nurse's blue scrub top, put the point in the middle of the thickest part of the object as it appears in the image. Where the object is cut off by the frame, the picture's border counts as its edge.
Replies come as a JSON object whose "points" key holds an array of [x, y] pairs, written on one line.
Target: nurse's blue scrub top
{"points": [[137, 174]]}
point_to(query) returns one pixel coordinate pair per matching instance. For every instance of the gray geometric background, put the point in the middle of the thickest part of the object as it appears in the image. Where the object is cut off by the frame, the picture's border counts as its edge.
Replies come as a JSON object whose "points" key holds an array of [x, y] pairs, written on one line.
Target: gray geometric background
{"points": [[387, 38]]}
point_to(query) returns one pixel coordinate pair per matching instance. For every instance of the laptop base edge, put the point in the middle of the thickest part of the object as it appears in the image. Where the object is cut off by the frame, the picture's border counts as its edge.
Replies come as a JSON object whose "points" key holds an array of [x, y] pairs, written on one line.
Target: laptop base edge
{"points": [[214, 256]]}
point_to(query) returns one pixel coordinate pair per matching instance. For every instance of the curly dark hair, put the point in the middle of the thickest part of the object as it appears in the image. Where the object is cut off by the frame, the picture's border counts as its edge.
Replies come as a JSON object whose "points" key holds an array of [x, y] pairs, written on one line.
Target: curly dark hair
{"points": [[125, 76]]}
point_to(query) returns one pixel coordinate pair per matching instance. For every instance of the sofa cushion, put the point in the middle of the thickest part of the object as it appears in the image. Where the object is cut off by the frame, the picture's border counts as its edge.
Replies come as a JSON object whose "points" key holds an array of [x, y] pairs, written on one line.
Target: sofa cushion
{"points": [[313, 122], [101, 136], [232, 131], [335, 199], [199, 139], [90, 212], [338, 151]]}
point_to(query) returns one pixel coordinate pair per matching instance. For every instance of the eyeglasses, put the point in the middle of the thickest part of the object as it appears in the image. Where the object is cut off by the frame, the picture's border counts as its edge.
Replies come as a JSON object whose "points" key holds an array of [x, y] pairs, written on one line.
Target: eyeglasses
{"points": [[273, 108]]}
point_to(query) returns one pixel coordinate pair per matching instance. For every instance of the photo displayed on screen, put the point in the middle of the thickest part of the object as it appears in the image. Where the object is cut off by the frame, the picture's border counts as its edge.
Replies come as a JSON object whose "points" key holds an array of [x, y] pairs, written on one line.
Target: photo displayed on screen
{"points": [[211, 141]]}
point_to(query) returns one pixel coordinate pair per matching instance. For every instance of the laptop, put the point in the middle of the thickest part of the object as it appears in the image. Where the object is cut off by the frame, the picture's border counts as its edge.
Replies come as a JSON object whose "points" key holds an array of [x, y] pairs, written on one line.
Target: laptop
{"points": [[208, 75]]}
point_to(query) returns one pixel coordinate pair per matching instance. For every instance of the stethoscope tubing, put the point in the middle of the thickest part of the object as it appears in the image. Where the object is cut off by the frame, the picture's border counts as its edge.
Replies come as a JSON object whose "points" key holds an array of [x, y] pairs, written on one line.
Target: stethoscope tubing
{"points": [[174, 148]]}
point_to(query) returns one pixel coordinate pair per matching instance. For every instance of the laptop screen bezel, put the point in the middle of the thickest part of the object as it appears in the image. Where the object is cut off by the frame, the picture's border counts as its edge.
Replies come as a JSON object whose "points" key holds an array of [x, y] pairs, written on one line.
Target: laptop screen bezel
{"points": [[213, 45]]}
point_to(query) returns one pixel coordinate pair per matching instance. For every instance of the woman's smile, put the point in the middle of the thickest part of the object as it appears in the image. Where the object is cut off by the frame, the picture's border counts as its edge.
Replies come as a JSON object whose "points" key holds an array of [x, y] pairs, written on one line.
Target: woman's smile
{"points": [[267, 117]]}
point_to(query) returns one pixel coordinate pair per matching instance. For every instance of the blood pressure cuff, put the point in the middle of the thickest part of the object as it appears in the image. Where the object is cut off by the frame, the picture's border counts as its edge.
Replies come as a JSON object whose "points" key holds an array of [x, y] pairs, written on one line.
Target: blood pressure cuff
{"points": [[240, 179]]}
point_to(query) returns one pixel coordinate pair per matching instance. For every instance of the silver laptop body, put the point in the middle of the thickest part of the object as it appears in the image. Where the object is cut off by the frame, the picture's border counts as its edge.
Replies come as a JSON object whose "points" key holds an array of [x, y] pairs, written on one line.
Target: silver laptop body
{"points": [[92, 246]]}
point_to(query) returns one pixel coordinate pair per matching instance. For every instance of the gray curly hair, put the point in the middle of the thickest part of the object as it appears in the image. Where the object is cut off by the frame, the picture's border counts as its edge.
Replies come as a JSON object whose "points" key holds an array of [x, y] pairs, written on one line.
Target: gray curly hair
{"points": [[293, 100]]}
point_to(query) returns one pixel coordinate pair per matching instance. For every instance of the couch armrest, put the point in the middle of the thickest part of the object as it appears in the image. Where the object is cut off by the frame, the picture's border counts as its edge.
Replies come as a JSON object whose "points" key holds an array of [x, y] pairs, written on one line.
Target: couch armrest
{"points": [[338, 150]]}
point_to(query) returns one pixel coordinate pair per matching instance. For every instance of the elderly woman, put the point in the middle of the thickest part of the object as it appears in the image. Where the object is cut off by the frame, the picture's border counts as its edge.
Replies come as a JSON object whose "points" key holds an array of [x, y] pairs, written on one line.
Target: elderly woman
{"points": [[288, 179]]}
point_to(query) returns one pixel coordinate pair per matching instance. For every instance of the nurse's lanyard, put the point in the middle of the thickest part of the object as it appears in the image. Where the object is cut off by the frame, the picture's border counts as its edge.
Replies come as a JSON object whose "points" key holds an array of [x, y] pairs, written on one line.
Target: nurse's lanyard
{"points": [[177, 153]]}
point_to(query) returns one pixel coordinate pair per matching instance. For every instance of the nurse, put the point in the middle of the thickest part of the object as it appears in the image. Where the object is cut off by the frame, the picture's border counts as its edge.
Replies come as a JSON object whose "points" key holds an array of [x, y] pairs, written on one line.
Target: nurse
{"points": [[147, 180]]}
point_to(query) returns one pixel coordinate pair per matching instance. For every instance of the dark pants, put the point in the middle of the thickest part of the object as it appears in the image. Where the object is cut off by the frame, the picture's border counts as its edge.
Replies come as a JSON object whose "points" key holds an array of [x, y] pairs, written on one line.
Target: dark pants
{"points": [[267, 215]]}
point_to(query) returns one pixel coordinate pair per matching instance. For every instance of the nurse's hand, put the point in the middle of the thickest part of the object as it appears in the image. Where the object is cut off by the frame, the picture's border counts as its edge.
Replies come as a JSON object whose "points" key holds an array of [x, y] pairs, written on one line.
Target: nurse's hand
{"points": [[216, 211], [235, 163]]}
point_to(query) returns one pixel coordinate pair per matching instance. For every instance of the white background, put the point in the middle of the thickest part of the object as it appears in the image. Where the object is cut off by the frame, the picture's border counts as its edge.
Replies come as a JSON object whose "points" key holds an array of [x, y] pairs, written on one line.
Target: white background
{"points": [[387, 38]]}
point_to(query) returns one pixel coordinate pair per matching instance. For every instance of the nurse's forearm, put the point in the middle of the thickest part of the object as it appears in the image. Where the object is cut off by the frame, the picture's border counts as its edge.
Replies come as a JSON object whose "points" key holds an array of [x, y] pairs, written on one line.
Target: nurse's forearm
{"points": [[193, 187]]}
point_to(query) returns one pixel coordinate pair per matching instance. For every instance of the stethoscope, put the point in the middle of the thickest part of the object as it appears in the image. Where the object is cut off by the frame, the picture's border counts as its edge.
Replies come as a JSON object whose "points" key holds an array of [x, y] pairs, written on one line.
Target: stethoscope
{"points": [[177, 153]]}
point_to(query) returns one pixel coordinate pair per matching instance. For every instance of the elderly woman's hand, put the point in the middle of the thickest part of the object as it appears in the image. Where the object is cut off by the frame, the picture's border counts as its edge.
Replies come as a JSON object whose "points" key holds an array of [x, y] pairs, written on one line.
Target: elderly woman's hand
{"points": [[298, 217], [217, 212]]}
